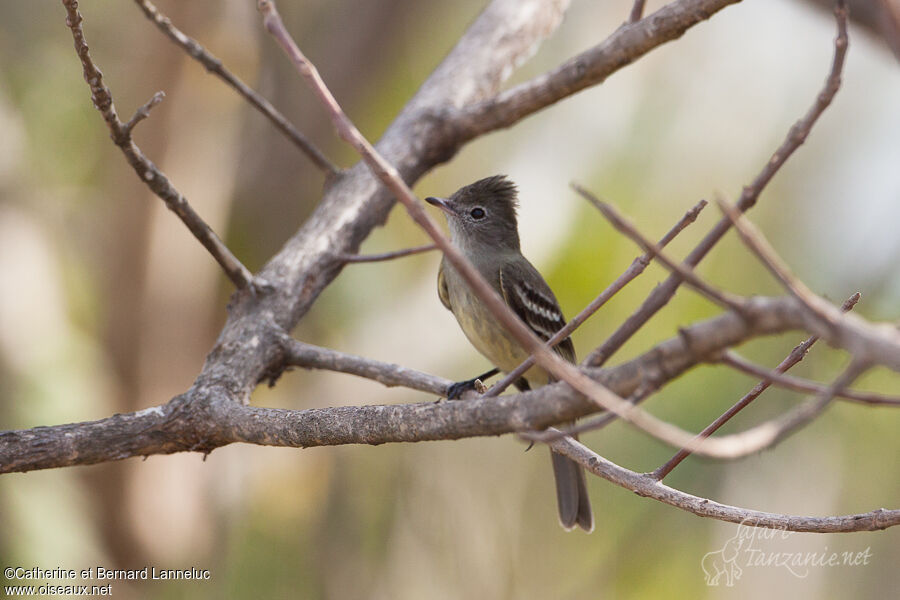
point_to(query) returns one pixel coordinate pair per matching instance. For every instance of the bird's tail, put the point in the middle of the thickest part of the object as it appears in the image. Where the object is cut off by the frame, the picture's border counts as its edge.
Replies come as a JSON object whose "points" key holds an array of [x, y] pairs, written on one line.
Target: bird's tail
{"points": [[571, 494]]}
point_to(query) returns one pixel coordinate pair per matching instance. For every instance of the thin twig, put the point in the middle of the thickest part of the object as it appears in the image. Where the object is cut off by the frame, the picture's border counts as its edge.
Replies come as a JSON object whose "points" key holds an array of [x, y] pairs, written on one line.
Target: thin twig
{"points": [[636, 268], [145, 169], [750, 194], [775, 377], [367, 258], [754, 239], [637, 11], [300, 354], [214, 65], [797, 354], [646, 486], [551, 433], [769, 433], [143, 112], [625, 227]]}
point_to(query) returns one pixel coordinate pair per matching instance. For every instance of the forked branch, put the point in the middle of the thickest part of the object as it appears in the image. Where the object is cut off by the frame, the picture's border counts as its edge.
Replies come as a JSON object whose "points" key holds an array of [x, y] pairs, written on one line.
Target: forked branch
{"points": [[750, 194], [145, 169], [195, 50]]}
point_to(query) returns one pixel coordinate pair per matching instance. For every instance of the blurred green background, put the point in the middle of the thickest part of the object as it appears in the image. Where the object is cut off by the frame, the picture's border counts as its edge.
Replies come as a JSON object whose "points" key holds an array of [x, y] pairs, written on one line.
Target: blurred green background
{"points": [[107, 304]]}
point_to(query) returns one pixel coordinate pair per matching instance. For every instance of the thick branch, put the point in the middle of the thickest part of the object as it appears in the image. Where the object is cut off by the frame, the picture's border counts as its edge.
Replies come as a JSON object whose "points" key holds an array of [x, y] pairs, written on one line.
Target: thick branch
{"points": [[630, 42], [173, 427], [218, 419]]}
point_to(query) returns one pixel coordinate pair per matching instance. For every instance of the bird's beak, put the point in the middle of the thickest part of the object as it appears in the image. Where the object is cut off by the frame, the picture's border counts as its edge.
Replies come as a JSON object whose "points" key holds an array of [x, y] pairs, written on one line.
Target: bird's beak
{"points": [[442, 204]]}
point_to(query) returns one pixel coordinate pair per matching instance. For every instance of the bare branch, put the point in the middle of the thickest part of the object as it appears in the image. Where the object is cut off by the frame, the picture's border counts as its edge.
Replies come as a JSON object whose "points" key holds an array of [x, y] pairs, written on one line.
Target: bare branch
{"points": [[796, 355], [637, 267], [158, 430], [881, 345], [644, 485], [211, 414], [795, 137], [196, 51], [880, 17], [769, 433], [799, 384], [551, 433], [143, 112], [624, 46], [305, 355], [145, 169], [622, 225], [366, 258], [637, 11], [758, 245]]}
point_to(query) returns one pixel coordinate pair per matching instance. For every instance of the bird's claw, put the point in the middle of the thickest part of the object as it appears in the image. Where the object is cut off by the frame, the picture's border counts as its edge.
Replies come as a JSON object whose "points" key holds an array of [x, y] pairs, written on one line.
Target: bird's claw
{"points": [[456, 390]]}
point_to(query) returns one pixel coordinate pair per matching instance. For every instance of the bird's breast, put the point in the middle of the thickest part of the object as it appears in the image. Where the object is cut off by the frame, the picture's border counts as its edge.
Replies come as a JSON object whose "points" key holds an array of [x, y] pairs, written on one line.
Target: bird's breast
{"points": [[485, 332]]}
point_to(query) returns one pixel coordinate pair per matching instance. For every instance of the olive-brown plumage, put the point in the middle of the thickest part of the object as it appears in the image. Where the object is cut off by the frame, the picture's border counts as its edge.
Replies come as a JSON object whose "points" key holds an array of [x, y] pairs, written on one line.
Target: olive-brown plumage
{"points": [[483, 225]]}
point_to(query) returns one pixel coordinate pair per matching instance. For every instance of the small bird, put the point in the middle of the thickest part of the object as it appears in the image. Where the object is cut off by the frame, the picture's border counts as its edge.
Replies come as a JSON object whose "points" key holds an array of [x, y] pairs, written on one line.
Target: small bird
{"points": [[483, 225]]}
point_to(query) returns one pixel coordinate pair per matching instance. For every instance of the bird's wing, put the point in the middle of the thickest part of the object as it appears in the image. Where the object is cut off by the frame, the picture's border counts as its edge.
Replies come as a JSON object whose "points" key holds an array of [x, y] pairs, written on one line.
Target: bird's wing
{"points": [[443, 293], [535, 304]]}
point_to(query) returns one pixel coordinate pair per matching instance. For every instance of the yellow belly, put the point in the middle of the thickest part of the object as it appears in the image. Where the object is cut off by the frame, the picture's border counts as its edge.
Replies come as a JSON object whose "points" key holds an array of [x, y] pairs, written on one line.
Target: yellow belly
{"points": [[489, 337]]}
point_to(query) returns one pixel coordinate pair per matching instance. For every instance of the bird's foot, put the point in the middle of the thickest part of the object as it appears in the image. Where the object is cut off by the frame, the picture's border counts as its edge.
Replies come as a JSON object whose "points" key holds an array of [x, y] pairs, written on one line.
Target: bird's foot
{"points": [[456, 390]]}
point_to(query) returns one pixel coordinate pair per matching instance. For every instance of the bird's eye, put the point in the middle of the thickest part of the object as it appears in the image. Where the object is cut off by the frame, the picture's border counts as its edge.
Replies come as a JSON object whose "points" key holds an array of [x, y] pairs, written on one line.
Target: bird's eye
{"points": [[477, 213]]}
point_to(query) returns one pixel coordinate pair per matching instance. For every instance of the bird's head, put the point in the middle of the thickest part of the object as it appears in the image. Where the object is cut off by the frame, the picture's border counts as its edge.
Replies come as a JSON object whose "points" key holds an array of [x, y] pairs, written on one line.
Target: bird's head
{"points": [[482, 214]]}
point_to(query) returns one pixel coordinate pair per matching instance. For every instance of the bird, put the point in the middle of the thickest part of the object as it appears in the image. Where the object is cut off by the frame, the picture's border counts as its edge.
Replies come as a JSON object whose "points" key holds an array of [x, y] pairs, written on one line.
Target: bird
{"points": [[483, 223]]}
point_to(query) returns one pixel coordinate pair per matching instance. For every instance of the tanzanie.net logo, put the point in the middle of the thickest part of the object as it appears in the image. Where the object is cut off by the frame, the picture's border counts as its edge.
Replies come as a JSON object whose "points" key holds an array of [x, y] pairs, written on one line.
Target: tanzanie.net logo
{"points": [[755, 547]]}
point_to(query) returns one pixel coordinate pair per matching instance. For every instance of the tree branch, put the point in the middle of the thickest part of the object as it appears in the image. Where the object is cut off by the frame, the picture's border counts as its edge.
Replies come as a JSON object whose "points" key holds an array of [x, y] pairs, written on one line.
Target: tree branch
{"points": [[636, 268], [145, 169], [208, 416], [767, 434], [799, 384], [637, 11], [796, 355], [628, 43], [366, 258], [300, 354], [428, 131], [881, 345], [196, 51], [645, 485], [685, 272], [143, 112], [750, 194]]}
